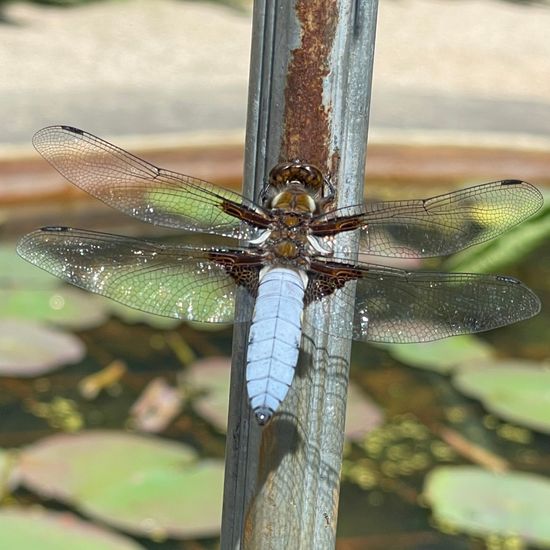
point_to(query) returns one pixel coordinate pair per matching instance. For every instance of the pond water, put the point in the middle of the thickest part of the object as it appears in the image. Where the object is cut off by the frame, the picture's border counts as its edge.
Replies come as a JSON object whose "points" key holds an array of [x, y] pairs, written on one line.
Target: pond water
{"points": [[139, 374]]}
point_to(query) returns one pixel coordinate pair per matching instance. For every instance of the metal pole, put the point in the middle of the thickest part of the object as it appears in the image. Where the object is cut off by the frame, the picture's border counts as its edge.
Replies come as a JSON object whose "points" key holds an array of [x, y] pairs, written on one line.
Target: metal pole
{"points": [[310, 80]]}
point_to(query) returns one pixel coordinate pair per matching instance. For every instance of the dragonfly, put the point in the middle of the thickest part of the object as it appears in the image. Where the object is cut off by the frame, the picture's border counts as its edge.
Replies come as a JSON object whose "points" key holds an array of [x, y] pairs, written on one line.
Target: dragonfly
{"points": [[282, 254]]}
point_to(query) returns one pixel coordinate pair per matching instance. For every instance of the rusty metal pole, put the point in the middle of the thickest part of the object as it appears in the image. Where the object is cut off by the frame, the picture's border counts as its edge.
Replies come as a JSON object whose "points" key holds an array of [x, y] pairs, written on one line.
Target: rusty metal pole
{"points": [[310, 80]]}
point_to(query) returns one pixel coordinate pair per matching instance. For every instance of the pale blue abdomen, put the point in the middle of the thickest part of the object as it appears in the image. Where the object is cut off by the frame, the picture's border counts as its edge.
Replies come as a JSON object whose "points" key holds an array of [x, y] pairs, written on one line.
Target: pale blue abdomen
{"points": [[274, 339]]}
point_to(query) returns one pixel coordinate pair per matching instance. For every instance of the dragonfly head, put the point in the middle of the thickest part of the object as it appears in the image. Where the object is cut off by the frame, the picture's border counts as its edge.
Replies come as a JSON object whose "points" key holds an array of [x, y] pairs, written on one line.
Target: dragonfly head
{"points": [[296, 182]]}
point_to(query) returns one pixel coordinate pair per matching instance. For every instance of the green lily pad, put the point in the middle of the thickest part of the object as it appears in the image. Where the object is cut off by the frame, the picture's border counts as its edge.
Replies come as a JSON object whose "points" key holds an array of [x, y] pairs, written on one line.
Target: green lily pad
{"points": [[18, 273], [442, 355], [210, 377], [132, 316], [63, 306], [24, 529], [66, 466], [161, 502], [515, 390], [145, 485], [30, 349], [482, 503], [157, 406], [363, 415]]}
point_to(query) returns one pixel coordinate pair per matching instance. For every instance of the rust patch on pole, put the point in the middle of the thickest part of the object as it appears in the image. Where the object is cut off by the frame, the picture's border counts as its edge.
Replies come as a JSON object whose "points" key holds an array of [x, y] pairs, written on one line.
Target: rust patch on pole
{"points": [[307, 119]]}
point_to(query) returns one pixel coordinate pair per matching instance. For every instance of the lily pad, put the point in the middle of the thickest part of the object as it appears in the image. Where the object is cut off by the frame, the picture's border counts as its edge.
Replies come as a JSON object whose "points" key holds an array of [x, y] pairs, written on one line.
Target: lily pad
{"points": [[30, 349], [210, 377], [363, 415], [18, 273], [442, 355], [66, 466], [145, 485], [22, 528], [63, 306], [132, 316], [515, 390], [162, 502], [156, 407], [482, 503]]}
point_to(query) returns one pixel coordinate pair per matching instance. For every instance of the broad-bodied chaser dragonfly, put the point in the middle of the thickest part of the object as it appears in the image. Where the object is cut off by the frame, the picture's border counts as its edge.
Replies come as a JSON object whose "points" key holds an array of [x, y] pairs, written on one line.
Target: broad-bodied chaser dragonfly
{"points": [[286, 261]]}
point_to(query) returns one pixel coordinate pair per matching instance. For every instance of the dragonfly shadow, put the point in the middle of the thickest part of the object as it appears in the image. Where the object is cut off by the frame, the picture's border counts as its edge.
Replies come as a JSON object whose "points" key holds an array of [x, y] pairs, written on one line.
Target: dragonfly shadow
{"points": [[297, 439]]}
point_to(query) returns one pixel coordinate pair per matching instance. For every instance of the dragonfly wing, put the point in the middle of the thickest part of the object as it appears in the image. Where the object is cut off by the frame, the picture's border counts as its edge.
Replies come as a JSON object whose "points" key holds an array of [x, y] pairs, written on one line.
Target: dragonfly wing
{"points": [[174, 281], [391, 305], [436, 226], [142, 190]]}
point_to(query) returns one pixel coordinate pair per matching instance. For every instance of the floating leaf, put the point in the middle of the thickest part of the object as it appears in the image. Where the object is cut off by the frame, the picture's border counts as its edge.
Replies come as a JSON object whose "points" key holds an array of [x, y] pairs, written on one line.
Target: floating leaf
{"points": [[208, 327], [441, 355], [66, 466], [515, 390], [156, 407], [18, 273], [479, 502], [362, 414], [146, 485], [63, 306], [24, 529], [30, 349], [210, 377], [162, 502], [131, 316]]}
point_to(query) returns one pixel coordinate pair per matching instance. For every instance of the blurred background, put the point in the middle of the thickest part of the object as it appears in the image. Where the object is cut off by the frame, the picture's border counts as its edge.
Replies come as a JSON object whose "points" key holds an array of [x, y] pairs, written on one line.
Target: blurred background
{"points": [[447, 443]]}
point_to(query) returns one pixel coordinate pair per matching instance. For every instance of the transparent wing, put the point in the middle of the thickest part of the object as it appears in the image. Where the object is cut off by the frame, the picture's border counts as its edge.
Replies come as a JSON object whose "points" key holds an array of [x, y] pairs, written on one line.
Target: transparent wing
{"points": [[391, 305], [174, 281], [142, 190], [437, 226]]}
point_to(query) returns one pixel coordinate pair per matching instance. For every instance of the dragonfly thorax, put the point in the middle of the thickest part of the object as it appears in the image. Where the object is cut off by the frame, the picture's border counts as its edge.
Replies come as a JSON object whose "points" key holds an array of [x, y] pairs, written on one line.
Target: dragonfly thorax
{"points": [[289, 238]]}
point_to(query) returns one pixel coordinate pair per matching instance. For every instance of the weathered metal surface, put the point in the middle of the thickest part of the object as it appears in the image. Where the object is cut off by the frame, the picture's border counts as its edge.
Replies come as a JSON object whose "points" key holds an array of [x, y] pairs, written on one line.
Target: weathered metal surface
{"points": [[306, 123], [309, 95]]}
